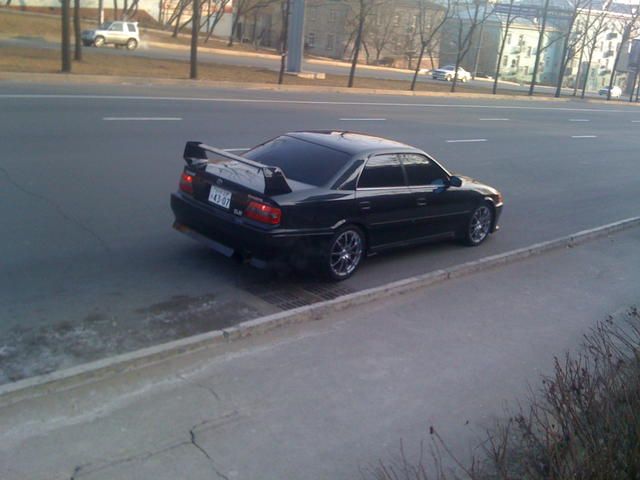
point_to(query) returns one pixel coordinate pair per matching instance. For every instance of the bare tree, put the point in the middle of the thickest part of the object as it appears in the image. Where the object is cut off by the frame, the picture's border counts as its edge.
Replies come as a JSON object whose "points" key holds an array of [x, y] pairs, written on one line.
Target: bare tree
{"points": [[571, 39], [363, 9], [214, 16], [598, 26], [77, 30], [379, 29], [469, 17], [195, 31], [284, 32], [66, 38], [539, 48], [630, 29], [115, 9], [511, 18], [243, 8], [430, 20]]}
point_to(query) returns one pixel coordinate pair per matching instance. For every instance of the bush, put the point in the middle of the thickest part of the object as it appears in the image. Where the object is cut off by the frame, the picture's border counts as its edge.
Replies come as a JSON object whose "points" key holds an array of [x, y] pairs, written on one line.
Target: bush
{"points": [[584, 424]]}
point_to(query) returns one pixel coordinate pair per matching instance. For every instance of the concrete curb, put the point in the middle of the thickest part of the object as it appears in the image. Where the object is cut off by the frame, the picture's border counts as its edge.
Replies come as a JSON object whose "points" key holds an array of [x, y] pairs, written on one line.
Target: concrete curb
{"points": [[95, 371], [74, 78]]}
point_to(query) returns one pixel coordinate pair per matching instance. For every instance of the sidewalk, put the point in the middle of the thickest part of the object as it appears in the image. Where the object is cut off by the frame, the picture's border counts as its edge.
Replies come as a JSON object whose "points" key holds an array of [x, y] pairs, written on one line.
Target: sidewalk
{"points": [[324, 399]]}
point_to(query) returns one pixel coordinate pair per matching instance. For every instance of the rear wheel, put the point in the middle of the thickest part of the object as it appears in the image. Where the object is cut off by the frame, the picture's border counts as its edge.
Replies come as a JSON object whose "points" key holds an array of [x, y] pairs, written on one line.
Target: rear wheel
{"points": [[132, 44], [98, 41], [479, 225], [345, 253]]}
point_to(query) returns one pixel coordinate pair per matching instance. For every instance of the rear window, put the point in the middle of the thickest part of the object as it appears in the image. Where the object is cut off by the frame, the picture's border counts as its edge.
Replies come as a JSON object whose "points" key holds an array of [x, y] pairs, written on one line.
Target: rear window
{"points": [[299, 160], [132, 27]]}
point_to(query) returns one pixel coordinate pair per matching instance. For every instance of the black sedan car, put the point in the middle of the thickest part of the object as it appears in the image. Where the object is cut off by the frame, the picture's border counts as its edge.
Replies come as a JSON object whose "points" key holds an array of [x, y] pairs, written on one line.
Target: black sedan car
{"points": [[325, 200]]}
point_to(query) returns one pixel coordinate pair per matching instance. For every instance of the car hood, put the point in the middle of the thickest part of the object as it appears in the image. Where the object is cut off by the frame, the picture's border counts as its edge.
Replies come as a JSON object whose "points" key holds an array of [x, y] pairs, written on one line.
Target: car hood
{"points": [[443, 70], [469, 182]]}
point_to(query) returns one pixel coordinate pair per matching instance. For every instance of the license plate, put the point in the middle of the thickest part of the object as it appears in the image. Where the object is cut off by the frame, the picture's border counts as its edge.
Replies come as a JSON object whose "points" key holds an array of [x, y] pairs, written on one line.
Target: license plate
{"points": [[220, 197]]}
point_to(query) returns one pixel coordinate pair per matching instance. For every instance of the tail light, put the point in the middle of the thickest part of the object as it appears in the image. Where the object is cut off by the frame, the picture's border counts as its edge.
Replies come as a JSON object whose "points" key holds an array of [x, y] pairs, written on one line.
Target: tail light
{"points": [[186, 183], [261, 212]]}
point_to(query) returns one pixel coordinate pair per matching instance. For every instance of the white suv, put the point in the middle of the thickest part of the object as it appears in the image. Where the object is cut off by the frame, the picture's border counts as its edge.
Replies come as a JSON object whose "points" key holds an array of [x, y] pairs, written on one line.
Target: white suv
{"points": [[113, 33]]}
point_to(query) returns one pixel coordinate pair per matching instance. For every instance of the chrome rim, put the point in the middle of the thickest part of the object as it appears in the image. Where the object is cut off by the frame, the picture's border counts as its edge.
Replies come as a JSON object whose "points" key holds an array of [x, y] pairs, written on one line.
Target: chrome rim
{"points": [[346, 253], [480, 224]]}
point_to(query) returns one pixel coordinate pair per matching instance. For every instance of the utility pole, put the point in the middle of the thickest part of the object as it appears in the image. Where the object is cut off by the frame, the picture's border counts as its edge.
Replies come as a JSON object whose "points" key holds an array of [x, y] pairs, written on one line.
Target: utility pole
{"points": [[285, 33], [539, 48], [195, 30], [66, 38], [77, 31], [295, 40], [100, 12]]}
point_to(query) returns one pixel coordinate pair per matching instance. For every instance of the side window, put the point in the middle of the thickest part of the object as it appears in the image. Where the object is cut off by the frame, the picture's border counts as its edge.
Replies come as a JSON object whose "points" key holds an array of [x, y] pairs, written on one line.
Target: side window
{"points": [[422, 171], [131, 27], [382, 171], [116, 27]]}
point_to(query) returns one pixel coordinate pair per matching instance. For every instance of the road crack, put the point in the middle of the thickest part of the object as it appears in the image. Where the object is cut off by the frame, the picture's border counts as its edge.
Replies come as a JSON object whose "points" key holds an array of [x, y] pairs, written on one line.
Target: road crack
{"points": [[56, 206], [205, 453], [197, 384]]}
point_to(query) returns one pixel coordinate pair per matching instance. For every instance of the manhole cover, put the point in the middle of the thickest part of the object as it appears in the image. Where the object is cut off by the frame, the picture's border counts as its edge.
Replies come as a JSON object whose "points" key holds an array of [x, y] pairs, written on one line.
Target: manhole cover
{"points": [[287, 297]]}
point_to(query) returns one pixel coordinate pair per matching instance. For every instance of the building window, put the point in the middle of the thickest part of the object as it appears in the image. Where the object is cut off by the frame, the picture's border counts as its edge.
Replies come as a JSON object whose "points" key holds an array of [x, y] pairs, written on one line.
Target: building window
{"points": [[525, 70], [313, 14], [509, 39], [330, 42], [333, 15], [514, 63], [311, 39], [505, 61], [529, 52]]}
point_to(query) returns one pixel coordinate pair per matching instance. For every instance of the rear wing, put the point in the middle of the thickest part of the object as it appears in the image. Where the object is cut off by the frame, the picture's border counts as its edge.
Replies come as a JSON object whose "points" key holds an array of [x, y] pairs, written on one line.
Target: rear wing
{"points": [[275, 183]]}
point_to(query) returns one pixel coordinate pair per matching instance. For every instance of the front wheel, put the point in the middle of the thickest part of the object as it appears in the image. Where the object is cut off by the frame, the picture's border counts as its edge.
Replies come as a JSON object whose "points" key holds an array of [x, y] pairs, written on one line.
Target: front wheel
{"points": [[479, 225], [345, 253], [448, 78]]}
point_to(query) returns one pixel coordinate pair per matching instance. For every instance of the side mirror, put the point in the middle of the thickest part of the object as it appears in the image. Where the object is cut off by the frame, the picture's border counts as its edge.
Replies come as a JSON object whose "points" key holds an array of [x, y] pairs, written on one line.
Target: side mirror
{"points": [[455, 181]]}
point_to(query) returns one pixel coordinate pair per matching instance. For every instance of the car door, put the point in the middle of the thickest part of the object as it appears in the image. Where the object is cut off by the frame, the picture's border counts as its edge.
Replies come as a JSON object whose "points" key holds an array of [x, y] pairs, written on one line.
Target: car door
{"points": [[385, 203], [441, 209], [116, 33]]}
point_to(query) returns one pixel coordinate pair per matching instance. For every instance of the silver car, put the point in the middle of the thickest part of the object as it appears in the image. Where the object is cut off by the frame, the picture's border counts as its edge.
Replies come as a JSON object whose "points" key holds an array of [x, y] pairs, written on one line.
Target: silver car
{"points": [[117, 33]]}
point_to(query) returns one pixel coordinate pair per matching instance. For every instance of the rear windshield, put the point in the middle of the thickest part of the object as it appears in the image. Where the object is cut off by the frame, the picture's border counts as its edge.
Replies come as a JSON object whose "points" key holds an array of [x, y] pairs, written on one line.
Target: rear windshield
{"points": [[299, 160]]}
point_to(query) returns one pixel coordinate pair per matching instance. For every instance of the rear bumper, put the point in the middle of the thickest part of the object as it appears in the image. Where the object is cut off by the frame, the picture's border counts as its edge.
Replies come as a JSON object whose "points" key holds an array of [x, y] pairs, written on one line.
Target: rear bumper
{"points": [[234, 236]]}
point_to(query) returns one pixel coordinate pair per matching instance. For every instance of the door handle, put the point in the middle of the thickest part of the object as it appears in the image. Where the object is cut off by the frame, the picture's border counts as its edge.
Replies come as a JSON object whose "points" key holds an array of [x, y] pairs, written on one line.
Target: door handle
{"points": [[365, 205], [421, 201]]}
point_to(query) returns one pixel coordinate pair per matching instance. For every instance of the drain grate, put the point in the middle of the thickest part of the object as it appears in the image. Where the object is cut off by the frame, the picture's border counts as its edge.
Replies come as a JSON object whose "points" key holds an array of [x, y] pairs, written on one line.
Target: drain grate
{"points": [[289, 296]]}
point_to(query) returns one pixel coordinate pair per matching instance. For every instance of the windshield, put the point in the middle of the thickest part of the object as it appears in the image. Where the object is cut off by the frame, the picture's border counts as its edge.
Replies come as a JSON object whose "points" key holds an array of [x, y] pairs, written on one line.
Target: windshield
{"points": [[300, 160]]}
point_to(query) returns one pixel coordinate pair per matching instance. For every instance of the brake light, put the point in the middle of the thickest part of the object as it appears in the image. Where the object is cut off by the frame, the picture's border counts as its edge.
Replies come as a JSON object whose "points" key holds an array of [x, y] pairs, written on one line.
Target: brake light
{"points": [[186, 183], [263, 213]]}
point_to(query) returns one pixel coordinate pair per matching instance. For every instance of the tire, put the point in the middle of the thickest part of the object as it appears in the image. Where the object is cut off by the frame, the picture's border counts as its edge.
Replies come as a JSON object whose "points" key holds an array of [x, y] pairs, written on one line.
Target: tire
{"points": [[344, 254], [479, 225], [132, 44], [463, 80], [98, 41], [448, 78]]}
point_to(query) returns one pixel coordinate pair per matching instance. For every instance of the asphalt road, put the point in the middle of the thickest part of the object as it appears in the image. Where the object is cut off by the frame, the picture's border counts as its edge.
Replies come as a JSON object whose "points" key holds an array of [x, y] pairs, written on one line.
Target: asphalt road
{"points": [[91, 266]]}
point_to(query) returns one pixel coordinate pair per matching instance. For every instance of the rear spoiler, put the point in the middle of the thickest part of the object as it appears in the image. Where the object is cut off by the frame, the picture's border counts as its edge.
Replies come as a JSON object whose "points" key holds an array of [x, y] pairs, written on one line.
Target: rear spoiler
{"points": [[275, 183]]}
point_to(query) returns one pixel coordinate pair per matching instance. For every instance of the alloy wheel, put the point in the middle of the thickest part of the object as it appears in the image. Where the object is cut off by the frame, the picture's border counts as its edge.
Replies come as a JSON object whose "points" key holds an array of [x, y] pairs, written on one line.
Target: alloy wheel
{"points": [[480, 224], [346, 253]]}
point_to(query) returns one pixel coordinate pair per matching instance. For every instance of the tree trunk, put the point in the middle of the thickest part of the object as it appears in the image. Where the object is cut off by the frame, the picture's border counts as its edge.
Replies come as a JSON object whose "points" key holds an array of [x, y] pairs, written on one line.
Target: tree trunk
{"points": [[234, 27], [77, 31], [195, 30], [66, 38], [283, 42], [536, 64], [115, 9], [586, 78], [503, 44], [356, 51], [417, 70], [625, 38], [125, 7], [564, 58]]}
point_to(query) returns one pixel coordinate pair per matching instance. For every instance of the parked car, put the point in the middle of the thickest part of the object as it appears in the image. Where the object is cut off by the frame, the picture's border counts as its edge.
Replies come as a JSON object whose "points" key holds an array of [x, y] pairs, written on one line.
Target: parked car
{"points": [[616, 91], [113, 33], [448, 72], [325, 200]]}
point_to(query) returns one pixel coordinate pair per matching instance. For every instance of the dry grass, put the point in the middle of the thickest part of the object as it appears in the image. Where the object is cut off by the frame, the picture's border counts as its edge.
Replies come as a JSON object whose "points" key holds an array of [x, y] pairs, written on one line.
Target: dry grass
{"points": [[36, 60]]}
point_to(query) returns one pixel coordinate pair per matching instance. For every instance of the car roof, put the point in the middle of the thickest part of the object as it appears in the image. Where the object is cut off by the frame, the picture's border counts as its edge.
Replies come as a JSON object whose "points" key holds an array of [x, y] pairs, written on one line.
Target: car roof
{"points": [[349, 142]]}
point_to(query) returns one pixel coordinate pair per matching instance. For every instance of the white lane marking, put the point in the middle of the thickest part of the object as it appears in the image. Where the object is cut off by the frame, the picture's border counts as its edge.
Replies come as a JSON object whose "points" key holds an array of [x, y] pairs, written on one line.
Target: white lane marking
{"points": [[584, 136], [469, 140], [579, 120], [635, 121], [236, 149], [363, 119], [303, 102], [141, 119], [494, 119]]}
